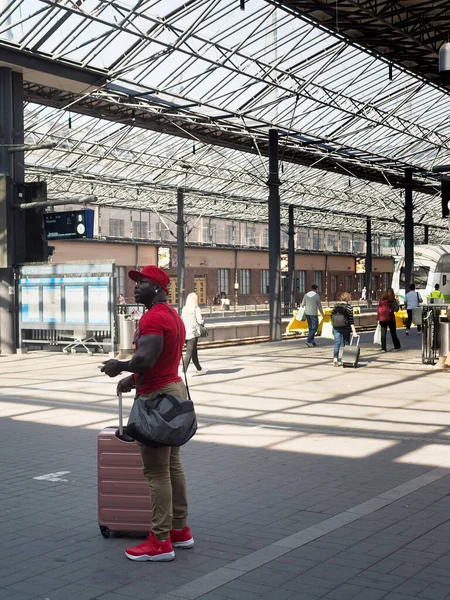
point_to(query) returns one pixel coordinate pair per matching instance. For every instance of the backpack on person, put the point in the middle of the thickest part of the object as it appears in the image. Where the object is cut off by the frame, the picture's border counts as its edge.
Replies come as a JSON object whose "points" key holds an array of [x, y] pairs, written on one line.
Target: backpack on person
{"points": [[339, 316]]}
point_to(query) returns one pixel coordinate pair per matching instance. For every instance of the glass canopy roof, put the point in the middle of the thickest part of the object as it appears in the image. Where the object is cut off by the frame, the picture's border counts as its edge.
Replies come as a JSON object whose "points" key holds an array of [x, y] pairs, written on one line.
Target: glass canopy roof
{"points": [[188, 94]]}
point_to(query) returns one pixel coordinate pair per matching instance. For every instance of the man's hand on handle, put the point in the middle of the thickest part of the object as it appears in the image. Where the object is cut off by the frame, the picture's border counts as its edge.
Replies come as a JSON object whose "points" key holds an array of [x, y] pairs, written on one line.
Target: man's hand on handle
{"points": [[126, 384]]}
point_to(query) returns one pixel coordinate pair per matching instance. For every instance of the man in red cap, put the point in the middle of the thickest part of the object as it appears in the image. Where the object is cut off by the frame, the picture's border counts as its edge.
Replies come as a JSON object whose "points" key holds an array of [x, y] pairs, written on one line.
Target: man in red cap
{"points": [[159, 340]]}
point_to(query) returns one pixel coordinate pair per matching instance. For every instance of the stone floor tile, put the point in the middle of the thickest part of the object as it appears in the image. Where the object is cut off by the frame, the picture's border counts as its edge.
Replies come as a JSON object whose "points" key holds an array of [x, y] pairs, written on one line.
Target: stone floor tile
{"points": [[329, 464]]}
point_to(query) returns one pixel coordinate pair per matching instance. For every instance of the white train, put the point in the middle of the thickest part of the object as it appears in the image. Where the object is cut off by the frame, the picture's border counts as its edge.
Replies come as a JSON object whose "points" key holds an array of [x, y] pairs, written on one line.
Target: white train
{"points": [[431, 266]]}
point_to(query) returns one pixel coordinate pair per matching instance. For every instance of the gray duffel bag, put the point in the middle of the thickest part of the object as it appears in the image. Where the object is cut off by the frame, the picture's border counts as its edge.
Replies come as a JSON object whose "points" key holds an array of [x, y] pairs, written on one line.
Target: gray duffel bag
{"points": [[163, 421]]}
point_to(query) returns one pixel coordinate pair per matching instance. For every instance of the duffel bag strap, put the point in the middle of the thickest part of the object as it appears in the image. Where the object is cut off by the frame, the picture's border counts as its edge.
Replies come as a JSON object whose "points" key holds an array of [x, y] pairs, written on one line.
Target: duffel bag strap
{"points": [[181, 348]]}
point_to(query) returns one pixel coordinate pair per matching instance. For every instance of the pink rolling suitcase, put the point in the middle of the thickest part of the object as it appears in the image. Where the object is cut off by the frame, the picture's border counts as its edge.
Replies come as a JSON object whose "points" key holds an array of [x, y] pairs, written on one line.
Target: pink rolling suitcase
{"points": [[123, 495]]}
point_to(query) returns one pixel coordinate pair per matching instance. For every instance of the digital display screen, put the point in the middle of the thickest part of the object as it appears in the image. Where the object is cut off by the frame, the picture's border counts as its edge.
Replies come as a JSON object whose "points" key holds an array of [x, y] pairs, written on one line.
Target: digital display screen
{"points": [[66, 225]]}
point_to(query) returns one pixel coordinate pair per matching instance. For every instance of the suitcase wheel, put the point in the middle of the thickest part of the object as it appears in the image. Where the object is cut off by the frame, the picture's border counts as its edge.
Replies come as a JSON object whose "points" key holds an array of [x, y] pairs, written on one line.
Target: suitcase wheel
{"points": [[105, 531]]}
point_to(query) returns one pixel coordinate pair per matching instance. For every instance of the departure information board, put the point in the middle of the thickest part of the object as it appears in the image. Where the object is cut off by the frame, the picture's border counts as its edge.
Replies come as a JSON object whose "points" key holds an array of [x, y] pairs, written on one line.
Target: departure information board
{"points": [[69, 224]]}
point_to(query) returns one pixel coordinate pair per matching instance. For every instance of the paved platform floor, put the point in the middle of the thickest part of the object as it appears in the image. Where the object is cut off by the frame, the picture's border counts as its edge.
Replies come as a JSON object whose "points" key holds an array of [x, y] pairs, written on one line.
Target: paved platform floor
{"points": [[306, 481]]}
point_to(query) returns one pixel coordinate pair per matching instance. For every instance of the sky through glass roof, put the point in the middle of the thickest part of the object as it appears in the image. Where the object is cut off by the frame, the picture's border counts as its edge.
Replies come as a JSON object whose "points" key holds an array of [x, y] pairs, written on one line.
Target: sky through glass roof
{"points": [[204, 65]]}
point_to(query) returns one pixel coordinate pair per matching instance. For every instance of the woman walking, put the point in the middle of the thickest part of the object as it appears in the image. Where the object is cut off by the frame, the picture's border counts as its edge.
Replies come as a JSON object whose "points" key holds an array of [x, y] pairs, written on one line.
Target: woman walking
{"points": [[192, 319], [387, 308], [343, 325]]}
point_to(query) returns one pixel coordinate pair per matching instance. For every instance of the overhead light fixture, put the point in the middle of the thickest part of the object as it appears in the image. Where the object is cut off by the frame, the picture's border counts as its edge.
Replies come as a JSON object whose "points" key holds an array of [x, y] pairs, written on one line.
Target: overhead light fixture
{"points": [[444, 58]]}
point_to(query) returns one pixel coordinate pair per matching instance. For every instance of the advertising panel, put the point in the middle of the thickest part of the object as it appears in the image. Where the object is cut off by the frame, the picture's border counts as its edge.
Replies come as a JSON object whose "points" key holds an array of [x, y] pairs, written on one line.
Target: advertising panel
{"points": [[98, 304], [360, 265], [74, 304], [51, 302], [30, 304], [164, 258]]}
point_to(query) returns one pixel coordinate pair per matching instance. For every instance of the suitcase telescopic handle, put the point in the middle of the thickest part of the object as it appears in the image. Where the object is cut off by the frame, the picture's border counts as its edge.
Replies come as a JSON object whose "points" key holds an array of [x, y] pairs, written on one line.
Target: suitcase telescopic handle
{"points": [[119, 396], [357, 337]]}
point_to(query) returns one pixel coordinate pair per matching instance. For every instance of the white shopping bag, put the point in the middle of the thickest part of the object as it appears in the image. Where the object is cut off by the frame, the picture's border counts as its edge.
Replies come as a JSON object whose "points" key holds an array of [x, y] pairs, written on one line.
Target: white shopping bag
{"points": [[327, 331], [417, 316], [377, 335], [300, 316]]}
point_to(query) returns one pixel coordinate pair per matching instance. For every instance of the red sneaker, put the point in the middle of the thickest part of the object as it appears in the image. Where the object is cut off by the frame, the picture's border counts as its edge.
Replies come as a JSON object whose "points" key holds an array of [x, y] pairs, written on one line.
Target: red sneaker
{"points": [[182, 538], [152, 549]]}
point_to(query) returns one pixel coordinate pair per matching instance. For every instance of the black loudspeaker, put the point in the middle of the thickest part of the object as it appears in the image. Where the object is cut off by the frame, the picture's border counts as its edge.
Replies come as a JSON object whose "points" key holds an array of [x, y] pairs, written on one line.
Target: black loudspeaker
{"points": [[32, 246], [445, 197]]}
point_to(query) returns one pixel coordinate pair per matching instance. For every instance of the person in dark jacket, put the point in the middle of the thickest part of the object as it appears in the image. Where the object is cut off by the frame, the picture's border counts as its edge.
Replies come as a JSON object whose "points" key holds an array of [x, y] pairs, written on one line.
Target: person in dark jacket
{"points": [[343, 325], [387, 308]]}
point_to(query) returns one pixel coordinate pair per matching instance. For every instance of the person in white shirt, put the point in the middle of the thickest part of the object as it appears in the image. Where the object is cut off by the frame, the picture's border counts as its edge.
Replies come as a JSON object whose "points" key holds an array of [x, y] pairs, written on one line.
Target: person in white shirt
{"points": [[312, 304], [192, 319], [412, 300]]}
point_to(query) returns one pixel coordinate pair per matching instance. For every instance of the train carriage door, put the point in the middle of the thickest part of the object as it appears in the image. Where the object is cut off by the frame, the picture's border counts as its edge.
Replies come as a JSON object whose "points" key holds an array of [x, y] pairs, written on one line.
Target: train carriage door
{"points": [[200, 288], [442, 275], [173, 291]]}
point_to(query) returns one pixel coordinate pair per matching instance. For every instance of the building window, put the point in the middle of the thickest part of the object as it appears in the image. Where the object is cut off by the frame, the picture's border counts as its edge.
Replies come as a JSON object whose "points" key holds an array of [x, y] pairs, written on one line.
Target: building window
{"points": [[250, 235], [244, 282], [284, 239], [140, 229], [318, 280], [345, 245], [356, 246], [116, 227], [265, 281], [209, 233], [223, 281], [302, 239], [332, 243], [121, 277], [333, 284], [376, 245], [348, 283], [316, 240], [162, 231], [361, 281], [301, 282], [231, 234], [266, 237]]}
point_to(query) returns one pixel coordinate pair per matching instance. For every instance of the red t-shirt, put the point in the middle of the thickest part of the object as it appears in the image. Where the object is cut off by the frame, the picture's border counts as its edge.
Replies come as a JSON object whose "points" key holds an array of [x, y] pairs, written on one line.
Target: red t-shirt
{"points": [[161, 320]]}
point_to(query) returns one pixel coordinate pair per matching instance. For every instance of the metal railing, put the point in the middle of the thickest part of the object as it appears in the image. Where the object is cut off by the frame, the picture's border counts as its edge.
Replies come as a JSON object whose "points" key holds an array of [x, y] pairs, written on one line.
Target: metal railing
{"points": [[233, 310], [236, 310]]}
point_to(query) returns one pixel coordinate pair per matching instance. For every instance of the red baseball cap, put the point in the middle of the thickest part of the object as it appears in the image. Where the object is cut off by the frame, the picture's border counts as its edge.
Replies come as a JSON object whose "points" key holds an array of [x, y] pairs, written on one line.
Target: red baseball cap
{"points": [[152, 273]]}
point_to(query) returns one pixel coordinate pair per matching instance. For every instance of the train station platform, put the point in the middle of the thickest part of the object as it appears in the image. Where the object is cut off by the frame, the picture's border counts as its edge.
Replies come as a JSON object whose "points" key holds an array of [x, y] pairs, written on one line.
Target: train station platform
{"points": [[306, 481]]}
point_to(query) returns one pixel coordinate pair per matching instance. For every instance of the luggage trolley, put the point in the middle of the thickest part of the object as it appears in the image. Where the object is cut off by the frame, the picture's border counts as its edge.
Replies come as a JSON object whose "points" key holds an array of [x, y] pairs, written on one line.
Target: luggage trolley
{"points": [[430, 334]]}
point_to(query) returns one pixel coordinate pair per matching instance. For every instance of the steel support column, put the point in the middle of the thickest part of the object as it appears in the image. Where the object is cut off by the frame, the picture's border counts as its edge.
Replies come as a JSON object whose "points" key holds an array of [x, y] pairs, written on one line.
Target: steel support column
{"points": [[12, 244], [274, 240], [368, 276], [426, 234], [409, 229], [180, 249], [291, 264]]}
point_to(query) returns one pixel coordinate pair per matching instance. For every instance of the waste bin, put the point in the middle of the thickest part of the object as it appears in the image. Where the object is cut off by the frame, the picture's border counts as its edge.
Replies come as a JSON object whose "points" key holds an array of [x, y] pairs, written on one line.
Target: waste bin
{"points": [[126, 327], [444, 330]]}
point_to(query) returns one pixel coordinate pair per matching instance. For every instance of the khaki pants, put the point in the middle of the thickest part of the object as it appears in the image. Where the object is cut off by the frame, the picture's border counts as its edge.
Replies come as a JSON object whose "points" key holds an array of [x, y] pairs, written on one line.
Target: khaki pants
{"points": [[165, 477]]}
